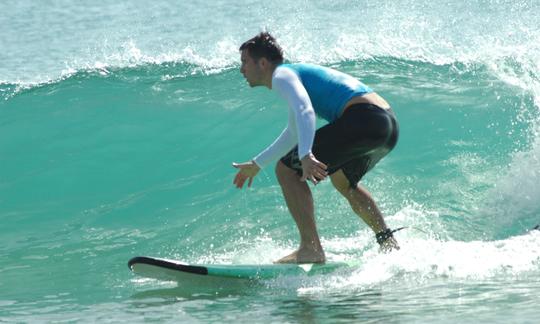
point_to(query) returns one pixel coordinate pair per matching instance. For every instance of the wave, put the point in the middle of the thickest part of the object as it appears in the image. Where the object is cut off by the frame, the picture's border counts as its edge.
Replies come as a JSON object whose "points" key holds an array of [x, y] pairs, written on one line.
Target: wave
{"points": [[478, 126], [435, 33], [513, 70], [143, 72]]}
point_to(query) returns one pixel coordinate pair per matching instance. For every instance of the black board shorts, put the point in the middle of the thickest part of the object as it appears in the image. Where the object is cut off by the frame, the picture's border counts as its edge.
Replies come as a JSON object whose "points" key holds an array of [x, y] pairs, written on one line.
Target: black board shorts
{"points": [[354, 142]]}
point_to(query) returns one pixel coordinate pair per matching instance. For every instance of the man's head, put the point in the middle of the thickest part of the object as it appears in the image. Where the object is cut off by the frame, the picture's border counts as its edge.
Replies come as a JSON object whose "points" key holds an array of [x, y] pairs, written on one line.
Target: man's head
{"points": [[259, 56]]}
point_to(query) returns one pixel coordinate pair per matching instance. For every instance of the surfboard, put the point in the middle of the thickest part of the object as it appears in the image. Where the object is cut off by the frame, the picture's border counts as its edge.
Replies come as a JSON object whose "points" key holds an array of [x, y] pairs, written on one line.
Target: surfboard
{"points": [[173, 270]]}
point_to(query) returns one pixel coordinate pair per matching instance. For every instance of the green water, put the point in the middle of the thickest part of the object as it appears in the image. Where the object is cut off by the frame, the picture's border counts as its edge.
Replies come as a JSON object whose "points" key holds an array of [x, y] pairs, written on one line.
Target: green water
{"points": [[119, 126]]}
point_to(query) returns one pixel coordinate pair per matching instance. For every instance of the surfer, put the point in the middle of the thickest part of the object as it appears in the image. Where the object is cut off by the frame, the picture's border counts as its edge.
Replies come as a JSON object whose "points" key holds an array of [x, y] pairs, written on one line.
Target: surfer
{"points": [[361, 130]]}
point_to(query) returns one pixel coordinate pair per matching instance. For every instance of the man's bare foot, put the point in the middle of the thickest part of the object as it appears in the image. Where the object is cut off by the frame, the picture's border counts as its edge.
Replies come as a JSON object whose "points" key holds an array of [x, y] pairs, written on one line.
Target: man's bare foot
{"points": [[304, 255], [389, 245]]}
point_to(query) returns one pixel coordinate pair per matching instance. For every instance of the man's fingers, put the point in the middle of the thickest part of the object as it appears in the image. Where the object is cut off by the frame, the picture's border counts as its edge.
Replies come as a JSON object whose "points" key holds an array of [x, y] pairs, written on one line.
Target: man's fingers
{"points": [[239, 180], [240, 183], [240, 165], [237, 165], [319, 164], [315, 173], [320, 168], [321, 175], [314, 177], [322, 165]]}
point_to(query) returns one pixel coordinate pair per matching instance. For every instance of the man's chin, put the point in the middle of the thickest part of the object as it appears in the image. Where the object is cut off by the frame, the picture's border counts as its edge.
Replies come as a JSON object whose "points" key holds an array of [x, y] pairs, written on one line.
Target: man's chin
{"points": [[251, 83]]}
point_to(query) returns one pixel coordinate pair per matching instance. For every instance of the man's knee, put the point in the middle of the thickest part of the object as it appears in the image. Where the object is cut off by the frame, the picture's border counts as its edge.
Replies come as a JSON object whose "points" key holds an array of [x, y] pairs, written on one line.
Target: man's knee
{"points": [[341, 183]]}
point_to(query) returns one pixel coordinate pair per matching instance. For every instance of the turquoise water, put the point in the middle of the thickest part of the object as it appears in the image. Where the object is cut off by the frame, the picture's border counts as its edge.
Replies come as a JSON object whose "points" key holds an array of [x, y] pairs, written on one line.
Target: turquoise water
{"points": [[119, 122]]}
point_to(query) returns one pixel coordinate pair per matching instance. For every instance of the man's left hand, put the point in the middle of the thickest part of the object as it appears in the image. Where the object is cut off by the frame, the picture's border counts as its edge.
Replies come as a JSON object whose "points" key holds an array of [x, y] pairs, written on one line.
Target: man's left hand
{"points": [[313, 169]]}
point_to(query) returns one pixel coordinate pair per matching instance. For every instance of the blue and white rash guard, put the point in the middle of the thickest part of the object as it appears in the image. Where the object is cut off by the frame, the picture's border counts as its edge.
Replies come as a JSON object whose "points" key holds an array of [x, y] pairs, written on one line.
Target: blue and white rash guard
{"points": [[309, 90]]}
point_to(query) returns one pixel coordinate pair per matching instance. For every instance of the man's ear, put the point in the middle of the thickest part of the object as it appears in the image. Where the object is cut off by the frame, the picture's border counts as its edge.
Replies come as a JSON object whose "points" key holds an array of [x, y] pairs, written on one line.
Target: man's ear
{"points": [[263, 62]]}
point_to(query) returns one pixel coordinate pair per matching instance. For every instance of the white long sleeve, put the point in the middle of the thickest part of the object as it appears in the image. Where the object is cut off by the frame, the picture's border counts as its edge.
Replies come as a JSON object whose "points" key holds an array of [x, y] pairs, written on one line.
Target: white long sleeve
{"points": [[278, 148], [301, 126]]}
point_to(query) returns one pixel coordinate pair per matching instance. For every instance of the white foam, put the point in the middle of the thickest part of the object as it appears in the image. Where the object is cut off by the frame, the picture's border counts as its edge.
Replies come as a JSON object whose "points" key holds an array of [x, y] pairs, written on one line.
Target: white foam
{"points": [[424, 255], [427, 259], [514, 198]]}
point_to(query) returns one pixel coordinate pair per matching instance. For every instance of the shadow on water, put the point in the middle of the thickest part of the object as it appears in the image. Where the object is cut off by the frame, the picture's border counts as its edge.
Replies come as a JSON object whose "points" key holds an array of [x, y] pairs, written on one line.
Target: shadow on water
{"points": [[336, 308], [197, 291], [288, 304]]}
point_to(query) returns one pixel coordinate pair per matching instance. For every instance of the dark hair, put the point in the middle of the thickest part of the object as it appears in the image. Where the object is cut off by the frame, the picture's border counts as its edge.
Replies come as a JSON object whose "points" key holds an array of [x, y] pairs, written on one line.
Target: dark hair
{"points": [[264, 45]]}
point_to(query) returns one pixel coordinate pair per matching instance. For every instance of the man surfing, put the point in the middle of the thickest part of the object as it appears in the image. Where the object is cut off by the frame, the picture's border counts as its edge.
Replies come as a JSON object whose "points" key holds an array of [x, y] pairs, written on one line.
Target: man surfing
{"points": [[361, 130]]}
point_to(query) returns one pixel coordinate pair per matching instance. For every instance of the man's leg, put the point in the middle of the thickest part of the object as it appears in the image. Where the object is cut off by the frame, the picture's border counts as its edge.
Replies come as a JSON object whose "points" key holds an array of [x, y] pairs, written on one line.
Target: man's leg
{"points": [[364, 206], [300, 203]]}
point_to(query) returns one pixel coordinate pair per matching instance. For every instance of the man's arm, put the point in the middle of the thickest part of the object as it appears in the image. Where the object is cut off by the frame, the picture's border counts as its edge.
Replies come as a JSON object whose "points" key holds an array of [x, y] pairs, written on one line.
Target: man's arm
{"points": [[278, 148], [301, 121], [300, 129], [287, 83]]}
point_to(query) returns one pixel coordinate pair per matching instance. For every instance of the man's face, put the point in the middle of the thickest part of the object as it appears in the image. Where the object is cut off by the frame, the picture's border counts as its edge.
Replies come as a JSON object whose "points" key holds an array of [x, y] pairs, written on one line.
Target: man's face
{"points": [[250, 69]]}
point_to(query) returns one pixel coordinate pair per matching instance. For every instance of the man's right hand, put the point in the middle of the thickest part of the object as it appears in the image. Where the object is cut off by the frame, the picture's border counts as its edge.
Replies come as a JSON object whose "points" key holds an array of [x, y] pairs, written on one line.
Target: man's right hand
{"points": [[247, 170]]}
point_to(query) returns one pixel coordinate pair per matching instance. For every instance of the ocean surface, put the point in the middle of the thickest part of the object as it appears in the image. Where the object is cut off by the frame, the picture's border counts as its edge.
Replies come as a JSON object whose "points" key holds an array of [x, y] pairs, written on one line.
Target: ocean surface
{"points": [[119, 121]]}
